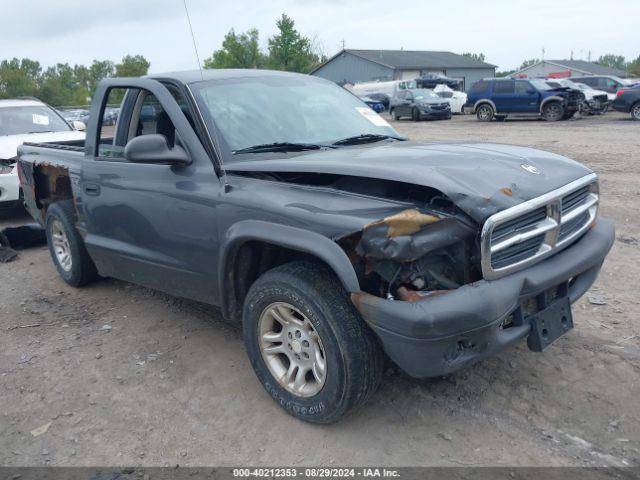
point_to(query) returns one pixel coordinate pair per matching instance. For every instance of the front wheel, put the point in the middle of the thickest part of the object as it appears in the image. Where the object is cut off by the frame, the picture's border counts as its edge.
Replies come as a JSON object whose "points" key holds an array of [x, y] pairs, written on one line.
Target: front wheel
{"points": [[552, 112], [308, 345], [415, 114], [484, 112]]}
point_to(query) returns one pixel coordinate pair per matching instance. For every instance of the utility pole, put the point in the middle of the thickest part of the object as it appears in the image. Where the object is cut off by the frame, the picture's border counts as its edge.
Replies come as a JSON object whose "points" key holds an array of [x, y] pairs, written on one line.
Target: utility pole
{"points": [[589, 56], [542, 53], [343, 43]]}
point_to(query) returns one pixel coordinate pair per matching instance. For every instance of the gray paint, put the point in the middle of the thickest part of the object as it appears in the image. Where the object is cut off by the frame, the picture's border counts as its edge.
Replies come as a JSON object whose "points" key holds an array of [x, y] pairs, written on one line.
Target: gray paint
{"points": [[349, 68], [576, 67]]}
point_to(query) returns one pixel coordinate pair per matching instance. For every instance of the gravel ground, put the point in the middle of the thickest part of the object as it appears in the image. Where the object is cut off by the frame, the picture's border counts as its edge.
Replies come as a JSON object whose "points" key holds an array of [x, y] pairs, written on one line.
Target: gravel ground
{"points": [[115, 374]]}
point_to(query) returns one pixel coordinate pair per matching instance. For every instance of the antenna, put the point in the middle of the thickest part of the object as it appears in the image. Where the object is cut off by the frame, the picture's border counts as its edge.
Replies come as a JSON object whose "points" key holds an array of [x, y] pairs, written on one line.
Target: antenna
{"points": [[193, 38]]}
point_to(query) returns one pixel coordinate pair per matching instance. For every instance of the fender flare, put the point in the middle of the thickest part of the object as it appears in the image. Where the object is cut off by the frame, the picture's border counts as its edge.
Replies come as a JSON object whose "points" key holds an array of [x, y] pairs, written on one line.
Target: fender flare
{"points": [[485, 100], [288, 237], [554, 98]]}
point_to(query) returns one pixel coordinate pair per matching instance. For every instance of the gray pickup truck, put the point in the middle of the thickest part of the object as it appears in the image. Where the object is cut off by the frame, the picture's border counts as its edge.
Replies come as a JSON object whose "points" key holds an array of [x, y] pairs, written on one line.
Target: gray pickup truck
{"points": [[287, 202]]}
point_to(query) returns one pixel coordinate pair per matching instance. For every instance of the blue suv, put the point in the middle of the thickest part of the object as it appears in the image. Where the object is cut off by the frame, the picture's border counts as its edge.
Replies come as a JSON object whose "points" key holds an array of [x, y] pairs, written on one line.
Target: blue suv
{"points": [[501, 97]]}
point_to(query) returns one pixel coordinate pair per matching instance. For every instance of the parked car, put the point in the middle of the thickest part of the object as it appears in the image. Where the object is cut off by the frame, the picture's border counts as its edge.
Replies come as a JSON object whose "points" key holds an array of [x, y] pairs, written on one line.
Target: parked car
{"points": [[75, 115], [26, 120], [375, 105], [628, 101], [382, 98], [389, 88], [110, 116], [331, 239], [431, 80], [456, 99], [593, 102], [419, 104], [607, 83], [501, 97]]}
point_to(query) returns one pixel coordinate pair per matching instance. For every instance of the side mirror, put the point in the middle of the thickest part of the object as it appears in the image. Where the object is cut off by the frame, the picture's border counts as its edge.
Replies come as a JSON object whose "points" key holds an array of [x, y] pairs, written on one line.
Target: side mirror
{"points": [[154, 149], [78, 125]]}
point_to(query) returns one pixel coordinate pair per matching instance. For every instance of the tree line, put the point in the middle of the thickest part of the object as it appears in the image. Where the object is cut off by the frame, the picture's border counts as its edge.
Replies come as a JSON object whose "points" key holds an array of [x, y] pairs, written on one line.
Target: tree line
{"points": [[63, 84], [66, 85]]}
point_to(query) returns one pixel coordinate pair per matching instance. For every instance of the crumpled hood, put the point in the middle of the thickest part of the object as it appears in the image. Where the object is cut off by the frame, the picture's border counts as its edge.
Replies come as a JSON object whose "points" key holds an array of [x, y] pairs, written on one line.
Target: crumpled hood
{"points": [[9, 144], [480, 178]]}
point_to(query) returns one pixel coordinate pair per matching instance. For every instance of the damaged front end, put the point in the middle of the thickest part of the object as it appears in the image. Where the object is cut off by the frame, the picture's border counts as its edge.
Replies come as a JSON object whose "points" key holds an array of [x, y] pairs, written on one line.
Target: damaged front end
{"points": [[413, 255]]}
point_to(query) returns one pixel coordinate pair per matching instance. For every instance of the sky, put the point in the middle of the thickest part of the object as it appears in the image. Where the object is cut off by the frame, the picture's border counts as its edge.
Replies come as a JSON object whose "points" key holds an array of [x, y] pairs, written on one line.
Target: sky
{"points": [[507, 32]]}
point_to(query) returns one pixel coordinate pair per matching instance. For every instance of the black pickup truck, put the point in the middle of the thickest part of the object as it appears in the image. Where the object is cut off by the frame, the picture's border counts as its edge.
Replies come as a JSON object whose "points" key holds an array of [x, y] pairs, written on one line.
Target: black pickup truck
{"points": [[286, 201]]}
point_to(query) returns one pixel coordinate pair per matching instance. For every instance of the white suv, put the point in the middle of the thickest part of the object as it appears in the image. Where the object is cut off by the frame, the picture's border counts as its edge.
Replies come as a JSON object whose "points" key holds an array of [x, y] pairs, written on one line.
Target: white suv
{"points": [[27, 120]]}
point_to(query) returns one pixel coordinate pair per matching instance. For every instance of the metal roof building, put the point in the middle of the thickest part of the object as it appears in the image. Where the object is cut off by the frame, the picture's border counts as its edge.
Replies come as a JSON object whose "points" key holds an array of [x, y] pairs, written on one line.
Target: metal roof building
{"points": [[354, 66], [567, 68]]}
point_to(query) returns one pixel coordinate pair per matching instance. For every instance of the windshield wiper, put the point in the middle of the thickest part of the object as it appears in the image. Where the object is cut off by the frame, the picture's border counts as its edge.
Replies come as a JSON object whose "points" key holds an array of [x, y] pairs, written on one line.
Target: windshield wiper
{"points": [[365, 138], [279, 147]]}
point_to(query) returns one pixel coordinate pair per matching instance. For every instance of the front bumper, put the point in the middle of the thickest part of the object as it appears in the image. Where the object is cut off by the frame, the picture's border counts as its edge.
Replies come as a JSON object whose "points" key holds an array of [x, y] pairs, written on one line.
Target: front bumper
{"points": [[9, 187], [441, 334], [435, 114]]}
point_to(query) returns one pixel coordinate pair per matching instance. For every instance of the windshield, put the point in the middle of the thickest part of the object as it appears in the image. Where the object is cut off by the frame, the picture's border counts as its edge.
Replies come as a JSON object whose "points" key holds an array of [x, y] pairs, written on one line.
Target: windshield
{"points": [[30, 119], [424, 95], [285, 109], [540, 84]]}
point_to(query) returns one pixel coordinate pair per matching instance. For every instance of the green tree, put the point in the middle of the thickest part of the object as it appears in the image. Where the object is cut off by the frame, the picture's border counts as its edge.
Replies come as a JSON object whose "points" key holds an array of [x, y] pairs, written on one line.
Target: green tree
{"points": [[475, 56], [19, 78], [98, 70], [58, 85], [288, 50], [132, 66], [613, 61], [238, 51], [633, 67]]}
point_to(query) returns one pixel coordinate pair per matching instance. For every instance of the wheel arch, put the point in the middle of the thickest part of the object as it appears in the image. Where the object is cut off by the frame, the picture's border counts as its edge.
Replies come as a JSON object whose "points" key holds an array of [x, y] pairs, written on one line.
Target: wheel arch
{"points": [[251, 247], [553, 98], [484, 100]]}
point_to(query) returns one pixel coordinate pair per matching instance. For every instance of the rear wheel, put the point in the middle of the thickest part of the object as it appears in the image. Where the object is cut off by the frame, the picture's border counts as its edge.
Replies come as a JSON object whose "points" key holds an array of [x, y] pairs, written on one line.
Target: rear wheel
{"points": [[394, 115], [66, 246], [415, 114], [552, 111], [635, 111], [484, 112], [308, 345]]}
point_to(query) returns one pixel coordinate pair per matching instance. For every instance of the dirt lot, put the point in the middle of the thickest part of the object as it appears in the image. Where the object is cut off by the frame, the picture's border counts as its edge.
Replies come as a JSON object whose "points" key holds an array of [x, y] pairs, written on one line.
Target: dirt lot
{"points": [[169, 382]]}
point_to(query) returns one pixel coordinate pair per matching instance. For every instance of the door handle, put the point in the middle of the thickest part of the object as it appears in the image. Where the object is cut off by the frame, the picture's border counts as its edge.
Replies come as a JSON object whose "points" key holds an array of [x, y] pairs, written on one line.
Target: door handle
{"points": [[92, 189]]}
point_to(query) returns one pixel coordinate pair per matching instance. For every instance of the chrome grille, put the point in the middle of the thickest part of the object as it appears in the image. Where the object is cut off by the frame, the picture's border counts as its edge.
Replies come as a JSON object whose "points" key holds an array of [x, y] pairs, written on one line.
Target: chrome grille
{"points": [[527, 233]]}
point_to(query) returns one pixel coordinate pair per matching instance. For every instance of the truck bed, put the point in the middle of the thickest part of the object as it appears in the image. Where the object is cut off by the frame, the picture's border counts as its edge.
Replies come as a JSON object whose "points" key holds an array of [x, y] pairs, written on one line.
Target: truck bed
{"points": [[49, 172]]}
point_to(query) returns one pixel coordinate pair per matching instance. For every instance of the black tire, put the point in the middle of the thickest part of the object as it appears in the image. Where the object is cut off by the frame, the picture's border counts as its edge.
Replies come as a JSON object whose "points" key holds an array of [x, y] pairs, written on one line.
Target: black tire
{"points": [[353, 356], [415, 114], [552, 111], [82, 270], [484, 112], [635, 111], [394, 115]]}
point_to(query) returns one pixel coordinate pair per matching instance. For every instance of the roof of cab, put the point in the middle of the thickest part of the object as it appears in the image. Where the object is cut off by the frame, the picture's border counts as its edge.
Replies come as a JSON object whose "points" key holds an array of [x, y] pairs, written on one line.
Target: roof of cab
{"points": [[192, 76]]}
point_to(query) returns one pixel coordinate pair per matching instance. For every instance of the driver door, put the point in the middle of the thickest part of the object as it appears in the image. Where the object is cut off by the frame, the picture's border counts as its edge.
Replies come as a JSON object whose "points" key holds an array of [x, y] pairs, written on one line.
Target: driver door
{"points": [[151, 224]]}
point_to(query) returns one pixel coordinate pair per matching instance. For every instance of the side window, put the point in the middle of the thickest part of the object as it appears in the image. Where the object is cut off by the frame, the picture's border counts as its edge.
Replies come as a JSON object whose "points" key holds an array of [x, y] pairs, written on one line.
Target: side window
{"points": [[592, 82], [522, 87], [110, 144], [140, 113], [479, 87], [504, 86]]}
